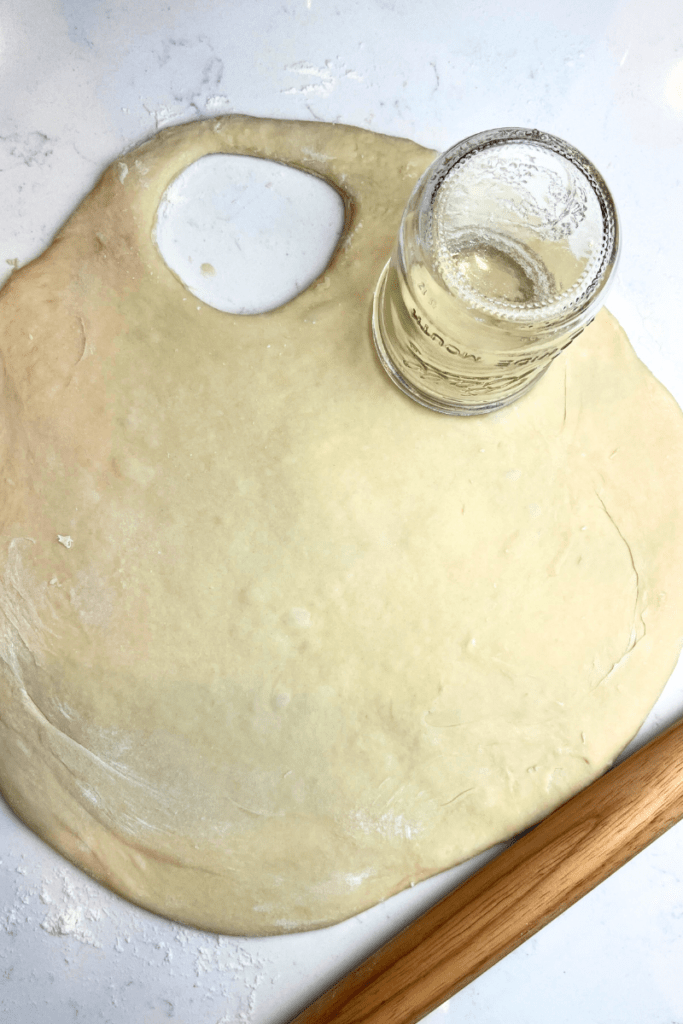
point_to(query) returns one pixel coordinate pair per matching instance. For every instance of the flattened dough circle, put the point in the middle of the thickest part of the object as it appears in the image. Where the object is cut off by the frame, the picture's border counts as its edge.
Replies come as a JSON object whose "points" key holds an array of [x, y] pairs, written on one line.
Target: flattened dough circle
{"points": [[276, 641]]}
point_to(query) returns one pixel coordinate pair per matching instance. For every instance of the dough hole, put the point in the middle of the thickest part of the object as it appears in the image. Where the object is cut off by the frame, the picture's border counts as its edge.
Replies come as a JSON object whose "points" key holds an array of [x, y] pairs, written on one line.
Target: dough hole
{"points": [[246, 235]]}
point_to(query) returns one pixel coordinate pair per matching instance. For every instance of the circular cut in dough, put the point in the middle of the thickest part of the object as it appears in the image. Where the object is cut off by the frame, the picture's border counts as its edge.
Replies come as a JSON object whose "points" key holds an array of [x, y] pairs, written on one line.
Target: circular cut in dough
{"points": [[278, 642]]}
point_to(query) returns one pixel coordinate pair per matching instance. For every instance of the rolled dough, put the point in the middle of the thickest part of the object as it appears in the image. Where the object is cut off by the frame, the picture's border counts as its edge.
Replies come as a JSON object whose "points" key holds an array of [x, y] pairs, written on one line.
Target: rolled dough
{"points": [[276, 641]]}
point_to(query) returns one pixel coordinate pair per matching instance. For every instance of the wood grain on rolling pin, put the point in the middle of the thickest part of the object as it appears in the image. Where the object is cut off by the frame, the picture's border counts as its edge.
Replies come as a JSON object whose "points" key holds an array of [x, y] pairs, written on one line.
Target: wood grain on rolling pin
{"points": [[534, 880]]}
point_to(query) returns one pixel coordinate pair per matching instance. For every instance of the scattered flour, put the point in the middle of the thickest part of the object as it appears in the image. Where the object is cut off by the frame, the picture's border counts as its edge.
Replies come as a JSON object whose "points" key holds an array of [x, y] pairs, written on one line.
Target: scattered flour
{"points": [[109, 960]]}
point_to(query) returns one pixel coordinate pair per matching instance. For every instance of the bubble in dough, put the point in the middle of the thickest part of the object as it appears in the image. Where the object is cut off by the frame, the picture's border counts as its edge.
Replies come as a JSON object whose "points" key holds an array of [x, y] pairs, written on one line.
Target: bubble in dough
{"points": [[276, 641]]}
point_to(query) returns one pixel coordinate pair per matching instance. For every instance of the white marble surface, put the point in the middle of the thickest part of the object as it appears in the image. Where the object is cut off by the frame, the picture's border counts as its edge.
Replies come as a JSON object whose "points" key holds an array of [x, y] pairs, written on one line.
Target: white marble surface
{"points": [[83, 80]]}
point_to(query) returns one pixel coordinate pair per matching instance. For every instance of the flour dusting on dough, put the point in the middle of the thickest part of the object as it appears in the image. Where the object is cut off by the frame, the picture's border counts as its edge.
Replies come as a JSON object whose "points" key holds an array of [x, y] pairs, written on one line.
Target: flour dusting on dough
{"points": [[387, 824]]}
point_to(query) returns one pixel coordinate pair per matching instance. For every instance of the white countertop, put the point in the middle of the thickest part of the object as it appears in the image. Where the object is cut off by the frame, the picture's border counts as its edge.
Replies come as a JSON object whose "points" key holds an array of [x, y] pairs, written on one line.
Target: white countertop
{"points": [[83, 80]]}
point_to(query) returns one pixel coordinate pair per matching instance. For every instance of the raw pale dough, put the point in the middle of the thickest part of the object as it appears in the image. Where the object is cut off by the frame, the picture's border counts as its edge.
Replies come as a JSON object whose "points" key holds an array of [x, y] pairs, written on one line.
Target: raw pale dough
{"points": [[278, 642]]}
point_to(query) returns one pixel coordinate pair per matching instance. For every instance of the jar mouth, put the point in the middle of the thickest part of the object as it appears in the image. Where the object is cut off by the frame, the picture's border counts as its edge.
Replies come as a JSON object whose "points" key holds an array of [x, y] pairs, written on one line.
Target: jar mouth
{"points": [[520, 227]]}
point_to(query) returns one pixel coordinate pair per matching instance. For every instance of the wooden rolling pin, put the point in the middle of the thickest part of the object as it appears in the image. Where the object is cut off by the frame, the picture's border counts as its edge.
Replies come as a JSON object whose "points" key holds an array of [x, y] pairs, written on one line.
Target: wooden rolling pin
{"points": [[547, 870]]}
